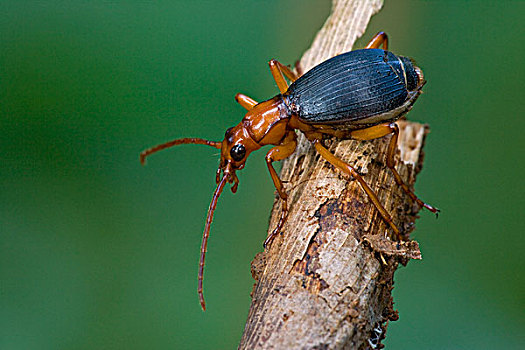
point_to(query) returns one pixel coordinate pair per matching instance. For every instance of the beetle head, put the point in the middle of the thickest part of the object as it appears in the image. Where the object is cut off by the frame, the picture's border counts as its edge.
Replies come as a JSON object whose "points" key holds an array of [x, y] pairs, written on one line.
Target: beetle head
{"points": [[235, 149]]}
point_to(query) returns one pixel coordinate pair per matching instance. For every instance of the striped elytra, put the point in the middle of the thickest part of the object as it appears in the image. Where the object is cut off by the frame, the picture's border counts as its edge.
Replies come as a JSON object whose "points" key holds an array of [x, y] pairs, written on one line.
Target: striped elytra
{"points": [[353, 86]]}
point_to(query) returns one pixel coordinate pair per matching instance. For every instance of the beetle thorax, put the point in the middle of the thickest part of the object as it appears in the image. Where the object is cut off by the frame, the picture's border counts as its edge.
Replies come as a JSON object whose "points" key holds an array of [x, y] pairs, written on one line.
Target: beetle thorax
{"points": [[266, 122]]}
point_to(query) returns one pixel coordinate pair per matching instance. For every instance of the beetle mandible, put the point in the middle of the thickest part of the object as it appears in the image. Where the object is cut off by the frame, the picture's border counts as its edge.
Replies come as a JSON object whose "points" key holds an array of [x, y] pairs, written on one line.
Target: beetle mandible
{"points": [[356, 95]]}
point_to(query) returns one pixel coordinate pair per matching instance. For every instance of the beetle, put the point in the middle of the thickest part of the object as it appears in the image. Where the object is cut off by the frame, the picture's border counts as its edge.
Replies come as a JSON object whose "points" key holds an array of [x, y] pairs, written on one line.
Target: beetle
{"points": [[356, 95]]}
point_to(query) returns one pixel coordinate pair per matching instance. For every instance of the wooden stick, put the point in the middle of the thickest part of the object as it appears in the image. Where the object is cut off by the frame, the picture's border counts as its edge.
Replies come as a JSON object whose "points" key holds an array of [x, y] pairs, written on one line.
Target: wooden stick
{"points": [[326, 281]]}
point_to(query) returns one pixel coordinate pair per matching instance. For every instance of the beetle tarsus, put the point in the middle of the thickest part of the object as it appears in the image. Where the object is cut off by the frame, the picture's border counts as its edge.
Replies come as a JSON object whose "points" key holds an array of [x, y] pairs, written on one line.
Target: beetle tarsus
{"points": [[269, 240], [203, 303], [431, 208]]}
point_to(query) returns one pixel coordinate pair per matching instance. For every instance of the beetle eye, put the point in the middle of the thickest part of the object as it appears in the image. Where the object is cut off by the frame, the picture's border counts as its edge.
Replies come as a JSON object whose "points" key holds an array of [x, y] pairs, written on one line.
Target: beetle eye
{"points": [[238, 152]]}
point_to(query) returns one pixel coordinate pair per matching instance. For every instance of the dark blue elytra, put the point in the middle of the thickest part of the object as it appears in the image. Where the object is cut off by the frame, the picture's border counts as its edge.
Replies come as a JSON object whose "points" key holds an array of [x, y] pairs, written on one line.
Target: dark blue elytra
{"points": [[352, 86]]}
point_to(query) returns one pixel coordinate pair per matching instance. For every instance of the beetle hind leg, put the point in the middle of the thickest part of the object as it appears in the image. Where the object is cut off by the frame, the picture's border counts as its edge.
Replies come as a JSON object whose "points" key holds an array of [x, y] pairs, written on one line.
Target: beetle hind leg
{"points": [[348, 169], [379, 39], [381, 130]]}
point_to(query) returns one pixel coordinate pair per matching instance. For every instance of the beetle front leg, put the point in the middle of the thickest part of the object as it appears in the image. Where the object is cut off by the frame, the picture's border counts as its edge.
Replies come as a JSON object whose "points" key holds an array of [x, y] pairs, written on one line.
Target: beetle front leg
{"points": [[279, 71], [279, 153], [348, 169], [245, 101], [380, 38], [381, 130]]}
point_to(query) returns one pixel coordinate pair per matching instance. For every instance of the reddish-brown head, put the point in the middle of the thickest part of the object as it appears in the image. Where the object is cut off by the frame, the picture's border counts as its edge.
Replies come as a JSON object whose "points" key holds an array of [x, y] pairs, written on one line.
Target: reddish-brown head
{"points": [[236, 147]]}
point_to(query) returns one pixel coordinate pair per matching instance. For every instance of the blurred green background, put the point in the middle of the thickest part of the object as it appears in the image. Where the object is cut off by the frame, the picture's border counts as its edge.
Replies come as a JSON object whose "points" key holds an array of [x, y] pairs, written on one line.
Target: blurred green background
{"points": [[99, 252]]}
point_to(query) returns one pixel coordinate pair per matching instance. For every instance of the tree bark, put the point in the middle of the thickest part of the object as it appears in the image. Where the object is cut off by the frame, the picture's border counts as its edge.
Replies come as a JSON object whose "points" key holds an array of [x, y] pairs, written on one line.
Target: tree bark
{"points": [[326, 281]]}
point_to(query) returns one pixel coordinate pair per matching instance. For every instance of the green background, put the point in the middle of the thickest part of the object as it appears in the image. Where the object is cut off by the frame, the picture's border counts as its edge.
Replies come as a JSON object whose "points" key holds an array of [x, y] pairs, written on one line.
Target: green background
{"points": [[99, 252]]}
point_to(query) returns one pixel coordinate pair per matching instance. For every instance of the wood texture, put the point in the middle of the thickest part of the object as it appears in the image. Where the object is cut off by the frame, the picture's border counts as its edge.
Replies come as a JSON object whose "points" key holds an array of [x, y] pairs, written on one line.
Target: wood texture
{"points": [[326, 281]]}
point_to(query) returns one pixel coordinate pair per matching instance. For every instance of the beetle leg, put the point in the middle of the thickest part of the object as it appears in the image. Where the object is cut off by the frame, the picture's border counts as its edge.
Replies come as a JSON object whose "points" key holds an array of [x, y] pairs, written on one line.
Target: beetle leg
{"points": [[348, 169], [298, 68], [381, 130], [280, 152], [279, 71], [380, 38], [245, 101]]}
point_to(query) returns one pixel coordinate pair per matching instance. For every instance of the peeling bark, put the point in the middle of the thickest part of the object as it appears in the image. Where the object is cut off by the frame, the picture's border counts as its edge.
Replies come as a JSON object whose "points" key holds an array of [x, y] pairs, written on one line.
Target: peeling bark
{"points": [[326, 281]]}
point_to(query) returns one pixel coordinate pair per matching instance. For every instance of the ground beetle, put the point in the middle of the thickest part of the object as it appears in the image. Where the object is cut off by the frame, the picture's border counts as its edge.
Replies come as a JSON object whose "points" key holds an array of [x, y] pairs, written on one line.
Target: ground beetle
{"points": [[356, 95]]}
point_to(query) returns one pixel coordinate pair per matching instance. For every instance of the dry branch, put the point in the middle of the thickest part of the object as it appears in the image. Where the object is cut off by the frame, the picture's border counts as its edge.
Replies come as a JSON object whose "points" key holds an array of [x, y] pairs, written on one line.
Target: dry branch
{"points": [[326, 281]]}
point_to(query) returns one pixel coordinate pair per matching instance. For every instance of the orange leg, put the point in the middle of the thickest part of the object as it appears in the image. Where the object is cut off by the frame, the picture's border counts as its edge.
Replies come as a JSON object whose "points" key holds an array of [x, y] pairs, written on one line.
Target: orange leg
{"points": [[380, 38], [245, 101], [187, 140], [298, 69], [279, 71], [381, 130], [280, 152], [348, 169]]}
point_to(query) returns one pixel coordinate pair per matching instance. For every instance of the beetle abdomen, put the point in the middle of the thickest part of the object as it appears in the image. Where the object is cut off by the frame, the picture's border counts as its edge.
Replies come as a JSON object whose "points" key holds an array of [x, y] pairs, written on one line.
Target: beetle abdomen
{"points": [[355, 87]]}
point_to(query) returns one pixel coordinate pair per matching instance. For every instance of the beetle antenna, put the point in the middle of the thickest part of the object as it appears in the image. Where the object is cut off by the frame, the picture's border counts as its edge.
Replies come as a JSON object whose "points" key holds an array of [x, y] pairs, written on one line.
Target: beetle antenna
{"points": [[206, 232], [186, 140]]}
